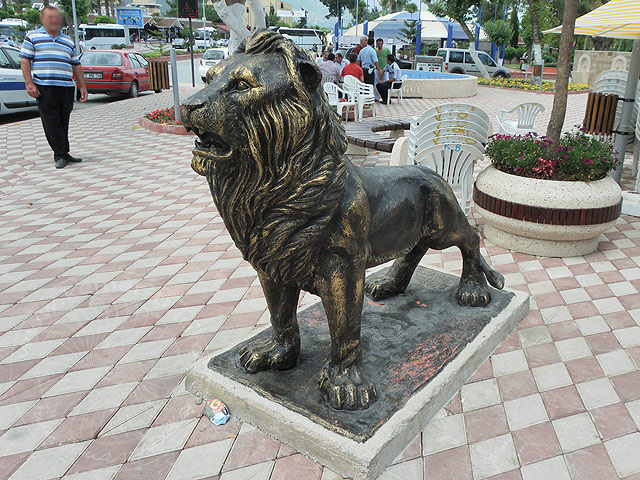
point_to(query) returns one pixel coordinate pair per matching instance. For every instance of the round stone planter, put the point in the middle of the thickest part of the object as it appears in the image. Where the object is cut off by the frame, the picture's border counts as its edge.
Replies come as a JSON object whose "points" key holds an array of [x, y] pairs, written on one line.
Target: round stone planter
{"points": [[162, 127], [545, 217]]}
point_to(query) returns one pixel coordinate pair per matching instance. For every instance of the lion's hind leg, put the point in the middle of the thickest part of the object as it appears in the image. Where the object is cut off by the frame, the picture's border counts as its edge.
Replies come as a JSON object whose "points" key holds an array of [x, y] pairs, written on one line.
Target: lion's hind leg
{"points": [[281, 350], [398, 276], [473, 289]]}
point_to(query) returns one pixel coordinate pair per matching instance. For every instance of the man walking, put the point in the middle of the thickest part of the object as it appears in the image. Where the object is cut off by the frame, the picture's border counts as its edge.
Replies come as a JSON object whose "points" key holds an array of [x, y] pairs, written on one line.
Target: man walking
{"points": [[49, 59], [381, 52], [368, 60]]}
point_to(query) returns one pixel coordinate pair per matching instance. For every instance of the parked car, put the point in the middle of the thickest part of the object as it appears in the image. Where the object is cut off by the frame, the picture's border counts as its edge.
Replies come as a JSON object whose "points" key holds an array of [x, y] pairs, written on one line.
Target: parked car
{"points": [[13, 91], [115, 72], [179, 43], [458, 60], [211, 57]]}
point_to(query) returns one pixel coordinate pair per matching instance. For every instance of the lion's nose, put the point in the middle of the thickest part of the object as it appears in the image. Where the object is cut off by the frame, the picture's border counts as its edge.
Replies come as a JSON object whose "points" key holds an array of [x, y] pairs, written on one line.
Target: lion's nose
{"points": [[190, 105]]}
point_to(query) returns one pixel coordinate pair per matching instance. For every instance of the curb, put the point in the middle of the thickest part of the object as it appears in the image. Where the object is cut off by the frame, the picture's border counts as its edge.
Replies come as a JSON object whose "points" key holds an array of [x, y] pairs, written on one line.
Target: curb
{"points": [[163, 128]]}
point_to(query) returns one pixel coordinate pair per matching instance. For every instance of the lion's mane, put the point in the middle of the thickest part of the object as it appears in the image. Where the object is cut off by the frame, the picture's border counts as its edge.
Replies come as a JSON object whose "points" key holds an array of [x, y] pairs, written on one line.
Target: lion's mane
{"points": [[279, 196]]}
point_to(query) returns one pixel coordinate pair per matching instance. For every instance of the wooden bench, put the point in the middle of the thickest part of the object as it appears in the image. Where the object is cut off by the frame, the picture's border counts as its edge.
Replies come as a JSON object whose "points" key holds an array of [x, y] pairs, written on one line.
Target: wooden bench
{"points": [[369, 133]]}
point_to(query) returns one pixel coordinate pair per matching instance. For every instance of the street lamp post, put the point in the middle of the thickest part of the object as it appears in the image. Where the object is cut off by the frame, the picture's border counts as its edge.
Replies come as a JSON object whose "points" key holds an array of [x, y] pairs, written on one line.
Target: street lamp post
{"points": [[75, 23], [204, 25]]}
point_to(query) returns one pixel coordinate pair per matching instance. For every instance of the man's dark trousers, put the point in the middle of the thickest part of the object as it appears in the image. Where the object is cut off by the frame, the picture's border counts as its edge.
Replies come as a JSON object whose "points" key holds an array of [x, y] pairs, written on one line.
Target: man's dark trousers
{"points": [[369, 78], [383, 90], [55, 105]]}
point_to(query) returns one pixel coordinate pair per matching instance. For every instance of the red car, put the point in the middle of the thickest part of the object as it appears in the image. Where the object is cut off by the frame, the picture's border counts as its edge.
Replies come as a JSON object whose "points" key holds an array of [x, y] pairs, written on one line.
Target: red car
{"points": [[115, 72]]}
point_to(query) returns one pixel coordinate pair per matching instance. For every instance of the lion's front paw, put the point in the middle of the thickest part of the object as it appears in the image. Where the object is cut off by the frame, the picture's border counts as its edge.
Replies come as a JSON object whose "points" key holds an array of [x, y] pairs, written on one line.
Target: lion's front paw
{"points": [[346, 388], [473, 291], [381, 288], [268, 355]]}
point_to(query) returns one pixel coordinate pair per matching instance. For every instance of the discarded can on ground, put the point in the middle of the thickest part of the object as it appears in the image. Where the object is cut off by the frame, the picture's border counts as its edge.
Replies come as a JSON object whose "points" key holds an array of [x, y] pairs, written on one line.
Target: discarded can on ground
{"points": [[216, 411]]}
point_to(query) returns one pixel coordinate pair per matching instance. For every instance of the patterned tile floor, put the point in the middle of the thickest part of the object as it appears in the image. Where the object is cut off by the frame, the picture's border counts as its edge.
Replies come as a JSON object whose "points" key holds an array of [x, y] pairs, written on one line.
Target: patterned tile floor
{"points": [[117, 274]]}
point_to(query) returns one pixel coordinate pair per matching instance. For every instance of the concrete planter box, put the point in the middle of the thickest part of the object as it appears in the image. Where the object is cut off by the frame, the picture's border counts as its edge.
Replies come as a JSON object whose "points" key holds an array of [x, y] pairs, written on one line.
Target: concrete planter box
{"points": [[457, 86], [163, 127], [545, 217]]}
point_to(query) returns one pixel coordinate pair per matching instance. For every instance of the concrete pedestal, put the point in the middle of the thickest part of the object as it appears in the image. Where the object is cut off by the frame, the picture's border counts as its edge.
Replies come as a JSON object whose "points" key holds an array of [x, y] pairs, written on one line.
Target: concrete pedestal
{"points": [[418, 349]]}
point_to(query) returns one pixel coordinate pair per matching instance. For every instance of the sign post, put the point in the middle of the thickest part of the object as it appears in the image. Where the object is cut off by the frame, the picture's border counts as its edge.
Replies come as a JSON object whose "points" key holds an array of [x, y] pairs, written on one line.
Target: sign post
{"points": [[75, 24], [174, 81], [189, 9]]}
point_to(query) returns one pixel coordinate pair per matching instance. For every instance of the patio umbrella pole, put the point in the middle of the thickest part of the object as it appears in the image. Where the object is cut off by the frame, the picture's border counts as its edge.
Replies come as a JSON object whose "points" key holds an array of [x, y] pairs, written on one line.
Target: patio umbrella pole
{"points": [[624, 128]]}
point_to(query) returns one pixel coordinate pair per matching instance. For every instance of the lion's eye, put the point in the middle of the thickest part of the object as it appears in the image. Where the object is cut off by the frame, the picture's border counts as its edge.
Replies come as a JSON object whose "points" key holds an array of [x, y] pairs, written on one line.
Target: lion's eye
{"points": [[242, 85]]}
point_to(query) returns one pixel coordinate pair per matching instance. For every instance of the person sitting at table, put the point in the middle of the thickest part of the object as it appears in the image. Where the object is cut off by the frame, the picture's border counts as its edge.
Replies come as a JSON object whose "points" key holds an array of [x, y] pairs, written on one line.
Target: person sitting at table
{"points": [[330, 67], [394, 74], [353, 68]]}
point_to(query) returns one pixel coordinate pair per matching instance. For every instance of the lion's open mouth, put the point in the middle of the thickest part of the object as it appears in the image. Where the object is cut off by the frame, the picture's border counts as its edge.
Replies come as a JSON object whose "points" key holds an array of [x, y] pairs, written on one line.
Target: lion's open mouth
{"points": [[210, 147]]}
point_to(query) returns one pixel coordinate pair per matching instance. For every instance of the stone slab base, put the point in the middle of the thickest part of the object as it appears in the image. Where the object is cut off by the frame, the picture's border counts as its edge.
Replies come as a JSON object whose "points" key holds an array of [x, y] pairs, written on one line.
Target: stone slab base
{"points": [[418, 348], [540, 247]]}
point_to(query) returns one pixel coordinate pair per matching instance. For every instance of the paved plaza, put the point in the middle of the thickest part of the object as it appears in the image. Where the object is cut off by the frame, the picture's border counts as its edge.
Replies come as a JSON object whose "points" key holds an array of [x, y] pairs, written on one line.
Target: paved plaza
{"points": [[117, 274]]}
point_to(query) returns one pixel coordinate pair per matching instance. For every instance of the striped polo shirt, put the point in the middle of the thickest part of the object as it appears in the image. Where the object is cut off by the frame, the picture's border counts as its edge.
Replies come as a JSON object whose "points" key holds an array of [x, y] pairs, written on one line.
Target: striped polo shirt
{"points": [[51, 58]]}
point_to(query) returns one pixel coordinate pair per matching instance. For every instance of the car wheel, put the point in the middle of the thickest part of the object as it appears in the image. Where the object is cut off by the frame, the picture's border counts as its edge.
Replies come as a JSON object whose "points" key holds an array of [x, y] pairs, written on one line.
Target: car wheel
{"points": [[204, 79], [157, 90], [500, 75], [133, 91], [457, 72]]}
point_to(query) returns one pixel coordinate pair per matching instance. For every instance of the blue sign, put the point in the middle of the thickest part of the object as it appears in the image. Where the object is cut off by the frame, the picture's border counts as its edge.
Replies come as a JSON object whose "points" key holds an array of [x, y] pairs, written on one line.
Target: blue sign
{"points": [[129, 17]]}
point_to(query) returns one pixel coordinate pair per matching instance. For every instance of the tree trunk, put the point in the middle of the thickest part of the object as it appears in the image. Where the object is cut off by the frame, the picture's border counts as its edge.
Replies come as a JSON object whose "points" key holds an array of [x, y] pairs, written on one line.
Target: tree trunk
{"points": [[535, 32], [4, 6], [472, 50], [559, 110]]}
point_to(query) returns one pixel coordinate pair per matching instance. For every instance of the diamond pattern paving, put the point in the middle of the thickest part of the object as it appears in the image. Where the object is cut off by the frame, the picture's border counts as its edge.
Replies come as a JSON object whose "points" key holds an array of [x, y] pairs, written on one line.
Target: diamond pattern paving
{"points": [[117, 274]]}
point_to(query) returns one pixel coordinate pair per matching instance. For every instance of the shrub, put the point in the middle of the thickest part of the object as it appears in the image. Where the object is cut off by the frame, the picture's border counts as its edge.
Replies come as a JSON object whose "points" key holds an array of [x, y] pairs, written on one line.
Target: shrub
{"points": [[118, 46], [166, 116], [523, 85], [511, 53], [579, 157]]}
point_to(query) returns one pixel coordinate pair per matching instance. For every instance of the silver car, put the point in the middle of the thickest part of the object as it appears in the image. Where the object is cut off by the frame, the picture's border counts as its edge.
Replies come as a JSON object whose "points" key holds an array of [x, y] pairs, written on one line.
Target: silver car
{"points": [[458, 60]]}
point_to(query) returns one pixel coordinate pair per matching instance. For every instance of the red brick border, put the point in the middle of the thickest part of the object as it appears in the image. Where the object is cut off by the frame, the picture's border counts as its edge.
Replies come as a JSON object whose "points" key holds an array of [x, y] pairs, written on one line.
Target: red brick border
{"points": [[162, 127], [545, 215]]}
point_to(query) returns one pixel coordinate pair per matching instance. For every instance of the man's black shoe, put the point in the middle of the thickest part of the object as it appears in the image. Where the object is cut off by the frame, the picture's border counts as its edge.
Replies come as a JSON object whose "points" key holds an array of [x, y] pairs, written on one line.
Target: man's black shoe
{"points": [[73, 159], [61, 162]]}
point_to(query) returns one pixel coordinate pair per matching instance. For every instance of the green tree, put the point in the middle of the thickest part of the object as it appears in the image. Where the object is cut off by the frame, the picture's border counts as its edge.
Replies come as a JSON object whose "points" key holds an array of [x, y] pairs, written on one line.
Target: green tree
{"points": [[302, 23], [32, 16], [461, 11], [409, 32], [271, 19], [535, 18], [103, 19], [172, 8], [515, 27], [82, 10], [498, 31], [411, 8]]}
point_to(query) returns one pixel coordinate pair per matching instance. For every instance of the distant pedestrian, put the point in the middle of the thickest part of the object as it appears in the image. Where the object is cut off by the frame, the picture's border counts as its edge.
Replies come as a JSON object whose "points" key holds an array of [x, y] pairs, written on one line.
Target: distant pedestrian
{"points": [[394, 78], [341, 61], [320, 60], [353, 68], [368, 60], [330, 67], [49, 59]]}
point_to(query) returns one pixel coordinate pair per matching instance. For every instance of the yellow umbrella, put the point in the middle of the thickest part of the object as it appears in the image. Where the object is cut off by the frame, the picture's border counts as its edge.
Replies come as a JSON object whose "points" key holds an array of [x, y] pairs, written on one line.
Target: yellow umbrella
{"points": [[616, 19]]}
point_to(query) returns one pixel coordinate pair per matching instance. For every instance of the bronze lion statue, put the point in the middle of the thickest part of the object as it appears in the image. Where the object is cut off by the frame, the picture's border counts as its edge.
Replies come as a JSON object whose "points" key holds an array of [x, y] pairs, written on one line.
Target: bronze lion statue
{"points": [[272, 150]]}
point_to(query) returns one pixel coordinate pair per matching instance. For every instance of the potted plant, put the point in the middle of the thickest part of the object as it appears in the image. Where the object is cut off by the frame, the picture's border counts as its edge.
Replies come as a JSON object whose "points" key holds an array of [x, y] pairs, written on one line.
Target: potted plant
{"points": [[545, 199]]}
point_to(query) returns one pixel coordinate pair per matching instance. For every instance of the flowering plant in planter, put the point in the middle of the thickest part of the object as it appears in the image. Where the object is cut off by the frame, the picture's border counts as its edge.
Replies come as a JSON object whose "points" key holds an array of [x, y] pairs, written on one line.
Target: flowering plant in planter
{"points": [[578, 157], [165, 116]]}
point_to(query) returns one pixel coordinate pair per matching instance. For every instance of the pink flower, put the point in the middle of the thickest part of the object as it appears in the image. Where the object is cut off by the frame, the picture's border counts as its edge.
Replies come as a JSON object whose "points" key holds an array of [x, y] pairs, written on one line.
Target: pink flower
{"points": [[587, 161]]}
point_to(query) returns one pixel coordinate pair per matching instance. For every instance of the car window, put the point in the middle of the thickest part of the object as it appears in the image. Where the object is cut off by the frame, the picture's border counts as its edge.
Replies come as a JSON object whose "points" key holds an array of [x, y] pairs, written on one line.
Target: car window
{"points": [[13, 55], [442, 54], [213, 55], [468, 58], [487, 60], [135, 63], [142, 60], [110, 59], [455, 57], [4, 60]]}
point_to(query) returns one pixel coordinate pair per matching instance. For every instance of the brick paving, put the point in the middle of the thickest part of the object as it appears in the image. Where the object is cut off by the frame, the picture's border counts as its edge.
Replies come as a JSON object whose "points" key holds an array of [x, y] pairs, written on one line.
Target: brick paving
{"points": [[117, 274]]}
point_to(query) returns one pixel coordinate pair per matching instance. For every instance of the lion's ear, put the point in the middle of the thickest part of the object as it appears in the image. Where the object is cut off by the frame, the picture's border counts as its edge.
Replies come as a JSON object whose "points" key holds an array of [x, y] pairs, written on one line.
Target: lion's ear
{"points": [[311, 76]]}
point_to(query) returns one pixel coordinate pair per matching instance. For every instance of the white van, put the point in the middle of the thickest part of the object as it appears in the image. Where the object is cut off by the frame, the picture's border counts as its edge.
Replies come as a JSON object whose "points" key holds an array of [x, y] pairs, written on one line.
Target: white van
{"points": [[102, 36]]}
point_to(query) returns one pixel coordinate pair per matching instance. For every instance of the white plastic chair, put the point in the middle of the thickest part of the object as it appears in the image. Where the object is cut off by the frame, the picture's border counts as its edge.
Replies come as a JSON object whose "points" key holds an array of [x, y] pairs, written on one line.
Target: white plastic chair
{"points": [[433, 140], [333, 92], [453, 108], [363, 93], [636, 147], [527, 113], [329, 79], [398, 91], [455, 163]]}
